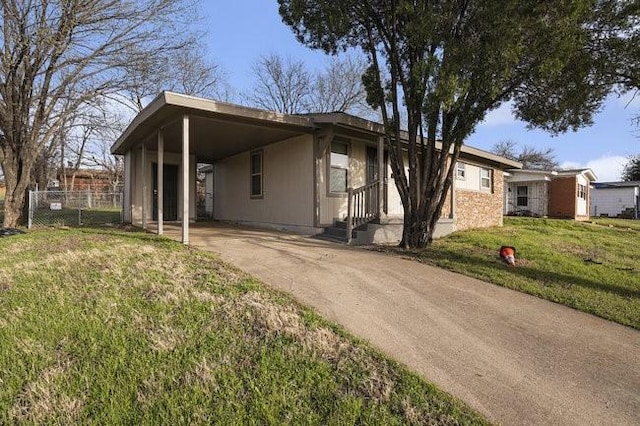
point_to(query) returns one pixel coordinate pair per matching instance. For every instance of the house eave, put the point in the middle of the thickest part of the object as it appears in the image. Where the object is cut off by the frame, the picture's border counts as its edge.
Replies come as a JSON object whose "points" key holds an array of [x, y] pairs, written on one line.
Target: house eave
{"points": [[168, 107]]}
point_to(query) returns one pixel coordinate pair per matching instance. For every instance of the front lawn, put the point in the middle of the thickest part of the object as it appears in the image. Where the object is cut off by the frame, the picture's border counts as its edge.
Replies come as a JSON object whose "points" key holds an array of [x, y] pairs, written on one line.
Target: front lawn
{"points": [[109, 327], [590, 267]]}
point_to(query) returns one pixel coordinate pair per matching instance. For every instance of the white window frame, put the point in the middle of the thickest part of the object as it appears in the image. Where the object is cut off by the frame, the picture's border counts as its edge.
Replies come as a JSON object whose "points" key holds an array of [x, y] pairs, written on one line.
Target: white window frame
{"points": [[525, 195], [582, 191], [337, 166], [461, 170], [487, 178]]}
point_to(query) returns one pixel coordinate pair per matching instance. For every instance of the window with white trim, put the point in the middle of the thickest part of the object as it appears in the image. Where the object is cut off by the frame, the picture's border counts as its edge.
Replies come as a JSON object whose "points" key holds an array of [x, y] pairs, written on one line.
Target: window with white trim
{"points": [[522, 194], [460, 170], [582, 191], [485, 178], [256, 174], [339, 167]]}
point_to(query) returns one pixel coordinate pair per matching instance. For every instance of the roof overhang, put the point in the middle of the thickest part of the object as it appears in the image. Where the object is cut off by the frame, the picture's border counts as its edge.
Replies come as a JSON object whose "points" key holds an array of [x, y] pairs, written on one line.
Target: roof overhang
{"points": [[350, 122], [587, 173], [217, 130]]}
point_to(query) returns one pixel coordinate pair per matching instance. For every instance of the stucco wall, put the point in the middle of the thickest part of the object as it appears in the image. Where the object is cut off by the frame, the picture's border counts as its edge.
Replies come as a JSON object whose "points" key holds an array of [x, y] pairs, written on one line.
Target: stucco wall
{"points": [[478, 209], [562, 197], [287, 186]]}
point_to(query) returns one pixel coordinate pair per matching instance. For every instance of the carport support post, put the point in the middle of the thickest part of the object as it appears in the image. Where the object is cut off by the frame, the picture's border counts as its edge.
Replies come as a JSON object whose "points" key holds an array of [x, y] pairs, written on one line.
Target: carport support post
{"points": [[380, 176], [185, 179], [160, 181], [144, 186]]}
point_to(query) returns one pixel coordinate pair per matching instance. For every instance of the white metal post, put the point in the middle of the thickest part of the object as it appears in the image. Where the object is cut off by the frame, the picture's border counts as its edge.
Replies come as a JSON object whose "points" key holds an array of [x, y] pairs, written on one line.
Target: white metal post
{"points": [[160, 181], [185, 179], [144, 187], [30, 219], [380, 176]]}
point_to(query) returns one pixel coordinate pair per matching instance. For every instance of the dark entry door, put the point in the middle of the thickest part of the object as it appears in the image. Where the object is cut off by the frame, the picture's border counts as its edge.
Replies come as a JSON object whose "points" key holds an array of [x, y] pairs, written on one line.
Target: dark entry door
{"points": [[170, 192]]}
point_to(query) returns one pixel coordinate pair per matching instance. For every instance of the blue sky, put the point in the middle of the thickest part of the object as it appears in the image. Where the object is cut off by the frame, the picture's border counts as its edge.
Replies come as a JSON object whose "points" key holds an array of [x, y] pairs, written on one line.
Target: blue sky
{"points": [[239, 31]]}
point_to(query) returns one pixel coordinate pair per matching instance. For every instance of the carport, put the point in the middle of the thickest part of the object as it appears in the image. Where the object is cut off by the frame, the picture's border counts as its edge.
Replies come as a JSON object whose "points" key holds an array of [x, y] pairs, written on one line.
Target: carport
{"points": [[194, 130]]}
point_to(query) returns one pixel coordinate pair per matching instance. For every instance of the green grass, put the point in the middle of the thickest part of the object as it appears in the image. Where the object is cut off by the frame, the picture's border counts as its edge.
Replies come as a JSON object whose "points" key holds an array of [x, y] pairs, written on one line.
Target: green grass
{"points": [[72, 217], [110, 327], [617, 223], [589, 267]]}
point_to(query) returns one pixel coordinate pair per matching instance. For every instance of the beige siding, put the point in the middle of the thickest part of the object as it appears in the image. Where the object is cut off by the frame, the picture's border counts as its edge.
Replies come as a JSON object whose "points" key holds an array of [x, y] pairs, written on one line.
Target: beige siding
{"points": [[334, 206], [287, 186], [138, 184], [471, 181], [394, 202]]}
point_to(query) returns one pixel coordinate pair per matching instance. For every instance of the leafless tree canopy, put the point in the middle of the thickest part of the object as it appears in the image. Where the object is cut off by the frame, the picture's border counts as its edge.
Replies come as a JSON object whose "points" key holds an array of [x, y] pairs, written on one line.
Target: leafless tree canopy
{"points": [[530, 157], [285, 85], [58, 55], [339, 88], [185, 70], [281, 84]]}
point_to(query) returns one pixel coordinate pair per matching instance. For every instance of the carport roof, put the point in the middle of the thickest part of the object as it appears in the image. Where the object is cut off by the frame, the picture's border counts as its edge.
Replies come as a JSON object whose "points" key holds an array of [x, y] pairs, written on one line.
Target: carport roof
{"points": [[219, 129]]}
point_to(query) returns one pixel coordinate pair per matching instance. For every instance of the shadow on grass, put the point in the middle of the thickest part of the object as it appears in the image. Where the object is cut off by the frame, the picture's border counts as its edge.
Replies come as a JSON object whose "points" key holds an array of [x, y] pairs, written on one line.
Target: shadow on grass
{"points": [[534, 275]]}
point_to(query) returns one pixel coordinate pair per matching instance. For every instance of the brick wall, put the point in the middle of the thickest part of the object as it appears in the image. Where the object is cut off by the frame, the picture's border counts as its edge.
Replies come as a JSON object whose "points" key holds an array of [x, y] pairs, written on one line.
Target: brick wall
{"points": [[479, 209], [562, 197]]}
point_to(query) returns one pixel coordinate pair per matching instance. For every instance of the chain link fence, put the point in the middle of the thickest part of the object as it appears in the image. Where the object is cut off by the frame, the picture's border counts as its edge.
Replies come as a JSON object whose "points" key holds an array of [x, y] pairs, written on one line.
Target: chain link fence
{"points": [[74, 208]]}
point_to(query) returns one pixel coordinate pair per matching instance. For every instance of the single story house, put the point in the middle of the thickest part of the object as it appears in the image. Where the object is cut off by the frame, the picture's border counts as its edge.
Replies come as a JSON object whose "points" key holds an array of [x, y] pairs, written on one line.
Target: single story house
{"points": [[616, 199], [305, 173], [93, 180], [560, 194]]}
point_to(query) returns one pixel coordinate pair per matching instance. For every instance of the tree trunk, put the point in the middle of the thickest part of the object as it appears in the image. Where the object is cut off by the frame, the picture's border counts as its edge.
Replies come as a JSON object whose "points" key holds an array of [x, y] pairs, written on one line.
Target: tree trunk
{"points": [[13, 204], [17, 174]]}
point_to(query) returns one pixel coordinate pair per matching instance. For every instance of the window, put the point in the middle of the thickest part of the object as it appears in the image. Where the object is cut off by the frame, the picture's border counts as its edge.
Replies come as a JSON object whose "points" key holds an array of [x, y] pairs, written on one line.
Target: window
{"points": [[256, 174], [339, 161], [485, 179], [460, 170], [522, 193], [582, 191]]}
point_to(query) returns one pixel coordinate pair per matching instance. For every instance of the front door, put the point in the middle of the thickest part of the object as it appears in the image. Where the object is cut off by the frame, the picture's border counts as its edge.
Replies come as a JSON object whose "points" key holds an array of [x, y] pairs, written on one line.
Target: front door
{"points": [[169, 193]]}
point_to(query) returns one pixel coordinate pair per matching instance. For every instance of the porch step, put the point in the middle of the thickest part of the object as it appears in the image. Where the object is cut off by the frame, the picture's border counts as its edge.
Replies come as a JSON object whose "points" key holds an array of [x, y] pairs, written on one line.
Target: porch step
{"points": [[338, 232]]}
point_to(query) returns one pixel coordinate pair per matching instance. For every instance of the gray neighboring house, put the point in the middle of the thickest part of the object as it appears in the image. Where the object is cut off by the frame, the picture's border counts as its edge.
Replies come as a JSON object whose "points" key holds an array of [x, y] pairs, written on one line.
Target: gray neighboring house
{"points": [[616, 199], [309, 173]]}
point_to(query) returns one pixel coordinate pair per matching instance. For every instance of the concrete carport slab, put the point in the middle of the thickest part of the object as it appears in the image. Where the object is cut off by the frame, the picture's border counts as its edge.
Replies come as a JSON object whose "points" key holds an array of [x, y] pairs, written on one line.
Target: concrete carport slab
{"points": [[517, 359]]}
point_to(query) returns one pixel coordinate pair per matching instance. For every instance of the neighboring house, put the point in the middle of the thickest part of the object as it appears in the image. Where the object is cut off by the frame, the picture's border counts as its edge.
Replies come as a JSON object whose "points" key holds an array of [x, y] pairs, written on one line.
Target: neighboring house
{"points": [[97, 181], [560, 194], [616, 199], [293, 172]]}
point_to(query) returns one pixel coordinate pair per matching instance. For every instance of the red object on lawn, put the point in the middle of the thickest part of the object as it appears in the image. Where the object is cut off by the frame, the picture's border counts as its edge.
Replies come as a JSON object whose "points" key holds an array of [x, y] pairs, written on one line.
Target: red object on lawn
{"points": [[508, 253]]}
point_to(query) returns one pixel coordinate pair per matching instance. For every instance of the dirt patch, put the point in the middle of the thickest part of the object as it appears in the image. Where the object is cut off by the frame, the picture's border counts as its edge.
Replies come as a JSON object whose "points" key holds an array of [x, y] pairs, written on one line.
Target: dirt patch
{"points": [[44, 398]]}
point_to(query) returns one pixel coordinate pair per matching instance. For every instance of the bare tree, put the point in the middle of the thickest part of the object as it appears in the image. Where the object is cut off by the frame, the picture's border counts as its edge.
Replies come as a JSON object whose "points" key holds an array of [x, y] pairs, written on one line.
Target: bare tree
{"points": [[285, 85], [281, 85], [192, 74], [186, 70], [530, 157], [58, 55], [339, 88]]}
